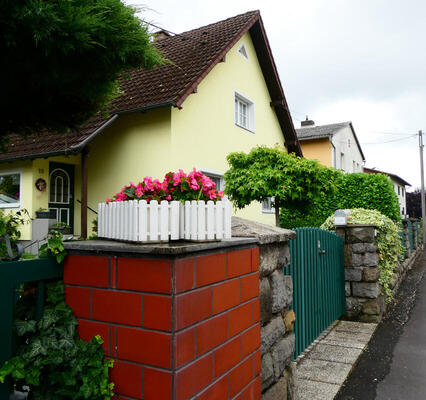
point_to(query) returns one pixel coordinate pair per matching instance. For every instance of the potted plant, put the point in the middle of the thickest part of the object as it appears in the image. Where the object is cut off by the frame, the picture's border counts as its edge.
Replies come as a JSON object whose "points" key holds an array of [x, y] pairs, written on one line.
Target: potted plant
{"points": [[62, 227], [182, 206], [45, 213]]}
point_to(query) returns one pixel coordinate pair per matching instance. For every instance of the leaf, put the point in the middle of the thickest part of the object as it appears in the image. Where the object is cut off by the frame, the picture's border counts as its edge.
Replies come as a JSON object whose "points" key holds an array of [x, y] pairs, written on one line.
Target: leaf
{"points": [[24, 327]]}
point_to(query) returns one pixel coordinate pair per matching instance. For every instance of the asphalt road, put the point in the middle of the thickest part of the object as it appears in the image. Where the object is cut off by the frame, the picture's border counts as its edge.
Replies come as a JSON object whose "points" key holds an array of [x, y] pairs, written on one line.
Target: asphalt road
{"points": [[393, 366]]}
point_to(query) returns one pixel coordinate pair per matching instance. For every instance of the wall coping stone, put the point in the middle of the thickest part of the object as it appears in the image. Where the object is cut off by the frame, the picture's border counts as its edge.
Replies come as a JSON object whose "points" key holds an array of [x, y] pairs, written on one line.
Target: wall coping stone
{"points": [[356, 226], [169, 248], [264, 233]]}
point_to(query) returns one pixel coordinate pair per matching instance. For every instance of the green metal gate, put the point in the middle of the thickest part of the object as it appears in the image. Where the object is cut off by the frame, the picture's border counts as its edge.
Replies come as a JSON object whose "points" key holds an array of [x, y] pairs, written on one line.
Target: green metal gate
{"points": [[317, 269]]}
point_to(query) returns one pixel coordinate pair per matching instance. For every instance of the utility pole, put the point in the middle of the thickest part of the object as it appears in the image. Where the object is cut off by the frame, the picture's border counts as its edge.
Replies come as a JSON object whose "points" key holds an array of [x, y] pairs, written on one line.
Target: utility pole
{"points": [[422, 185]]}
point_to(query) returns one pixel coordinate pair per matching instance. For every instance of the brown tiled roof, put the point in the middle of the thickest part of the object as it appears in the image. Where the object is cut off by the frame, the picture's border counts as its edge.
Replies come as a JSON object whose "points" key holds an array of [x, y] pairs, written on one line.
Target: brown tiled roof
{"points": [[192, 56]]}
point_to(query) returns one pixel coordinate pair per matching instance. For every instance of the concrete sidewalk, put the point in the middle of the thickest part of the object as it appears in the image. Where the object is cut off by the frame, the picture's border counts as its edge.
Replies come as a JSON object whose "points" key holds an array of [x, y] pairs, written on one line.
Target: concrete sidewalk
{"points": [[320, 373]]}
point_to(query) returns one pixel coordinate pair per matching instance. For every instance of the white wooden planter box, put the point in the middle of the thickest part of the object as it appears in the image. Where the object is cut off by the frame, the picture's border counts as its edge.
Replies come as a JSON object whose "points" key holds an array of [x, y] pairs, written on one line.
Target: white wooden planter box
{"points": [[139, 221]]}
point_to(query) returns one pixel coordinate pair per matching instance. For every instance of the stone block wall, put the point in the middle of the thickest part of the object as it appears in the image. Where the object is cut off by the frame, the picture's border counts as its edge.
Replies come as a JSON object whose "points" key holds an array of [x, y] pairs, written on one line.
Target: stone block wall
{"points": [[364, 300], [182, 325], [276, 296]]}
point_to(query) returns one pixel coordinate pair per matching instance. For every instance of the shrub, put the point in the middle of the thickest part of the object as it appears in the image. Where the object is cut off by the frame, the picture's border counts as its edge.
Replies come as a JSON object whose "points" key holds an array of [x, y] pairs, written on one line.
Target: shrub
{"points": [[368, 191], [270, 172], [10, 224], [388, 241]]}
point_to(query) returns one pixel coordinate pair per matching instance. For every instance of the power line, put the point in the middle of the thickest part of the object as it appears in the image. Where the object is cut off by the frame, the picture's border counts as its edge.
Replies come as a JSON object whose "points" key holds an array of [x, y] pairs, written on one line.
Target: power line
{"points": [[390, 141]]}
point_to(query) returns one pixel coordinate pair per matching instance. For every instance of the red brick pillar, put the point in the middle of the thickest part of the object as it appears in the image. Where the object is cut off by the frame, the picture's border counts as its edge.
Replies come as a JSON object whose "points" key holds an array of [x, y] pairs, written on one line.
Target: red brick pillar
{"points": [[177, 327]]}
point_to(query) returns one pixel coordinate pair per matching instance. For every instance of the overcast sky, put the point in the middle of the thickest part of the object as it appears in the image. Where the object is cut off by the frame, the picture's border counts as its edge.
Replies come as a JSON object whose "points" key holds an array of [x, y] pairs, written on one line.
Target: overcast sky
{"points": [[339, 60]]}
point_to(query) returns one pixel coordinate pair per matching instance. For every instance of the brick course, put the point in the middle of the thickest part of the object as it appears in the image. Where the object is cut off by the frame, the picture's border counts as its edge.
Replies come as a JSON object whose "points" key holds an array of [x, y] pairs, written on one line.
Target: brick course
{"points": [[178, 328]]}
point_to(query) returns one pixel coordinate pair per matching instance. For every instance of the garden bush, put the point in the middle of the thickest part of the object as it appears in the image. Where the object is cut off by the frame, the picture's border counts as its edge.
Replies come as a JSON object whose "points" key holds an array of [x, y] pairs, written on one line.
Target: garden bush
{"points": [[388, 242], [368, 191]]}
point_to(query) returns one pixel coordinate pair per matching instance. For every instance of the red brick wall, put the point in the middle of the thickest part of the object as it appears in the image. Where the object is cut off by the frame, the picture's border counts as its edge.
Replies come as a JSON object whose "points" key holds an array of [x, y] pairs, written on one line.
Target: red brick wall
{"points": [[178, 328]]}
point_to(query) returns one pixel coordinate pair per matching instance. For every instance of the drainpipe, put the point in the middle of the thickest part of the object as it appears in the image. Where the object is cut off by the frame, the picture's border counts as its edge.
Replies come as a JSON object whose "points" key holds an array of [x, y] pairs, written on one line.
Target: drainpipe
{"points": [[84, 173]]}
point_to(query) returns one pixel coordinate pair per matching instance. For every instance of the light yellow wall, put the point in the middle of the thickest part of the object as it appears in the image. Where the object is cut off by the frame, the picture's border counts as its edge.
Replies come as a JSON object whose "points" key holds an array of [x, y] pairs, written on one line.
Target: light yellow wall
{"points": [[25, 167], [204, 132], [319, 149], [135, 146]]}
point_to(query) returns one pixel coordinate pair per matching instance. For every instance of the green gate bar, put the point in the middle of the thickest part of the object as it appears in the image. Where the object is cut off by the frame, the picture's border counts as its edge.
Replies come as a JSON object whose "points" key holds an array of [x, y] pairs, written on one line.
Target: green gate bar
{"points": [[12, 275], [317, 270]]}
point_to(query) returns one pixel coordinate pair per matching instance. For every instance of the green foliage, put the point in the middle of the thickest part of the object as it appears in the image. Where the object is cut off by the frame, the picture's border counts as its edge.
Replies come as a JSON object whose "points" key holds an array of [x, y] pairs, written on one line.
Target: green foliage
{"points": [[53, 247], [369, 191], [51, 358], [64, 59], [10, 223], [388, 242], [271, 172]]}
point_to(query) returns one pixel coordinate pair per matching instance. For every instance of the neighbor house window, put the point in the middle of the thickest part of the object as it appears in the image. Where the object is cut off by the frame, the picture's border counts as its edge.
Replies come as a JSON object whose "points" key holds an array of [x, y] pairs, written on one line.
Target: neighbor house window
{"points": [[10, 189], [244, 112], [353, 166], [267, 206], [399, 189]]}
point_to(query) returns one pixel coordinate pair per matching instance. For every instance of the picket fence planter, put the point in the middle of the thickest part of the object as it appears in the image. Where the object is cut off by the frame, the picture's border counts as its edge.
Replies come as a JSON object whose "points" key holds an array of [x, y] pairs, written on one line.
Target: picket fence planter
{"points": [[139, 221]]}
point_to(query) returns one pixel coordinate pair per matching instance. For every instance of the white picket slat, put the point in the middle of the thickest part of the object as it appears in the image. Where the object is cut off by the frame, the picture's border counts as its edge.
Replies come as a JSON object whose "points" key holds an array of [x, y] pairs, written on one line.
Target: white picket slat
{"points": [[164, 220], [187, 219], [193, 220], [143, 221], [174, 221], [210, 228]]}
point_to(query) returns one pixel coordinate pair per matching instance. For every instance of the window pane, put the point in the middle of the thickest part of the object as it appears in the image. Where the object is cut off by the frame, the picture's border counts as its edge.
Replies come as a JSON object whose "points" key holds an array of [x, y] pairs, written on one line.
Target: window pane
{"points": [[10, 188]]}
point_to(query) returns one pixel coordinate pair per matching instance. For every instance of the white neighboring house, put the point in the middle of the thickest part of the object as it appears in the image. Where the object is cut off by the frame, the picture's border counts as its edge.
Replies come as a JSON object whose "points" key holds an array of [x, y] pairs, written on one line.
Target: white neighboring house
{"points": [[334, 145], [399, 185]]}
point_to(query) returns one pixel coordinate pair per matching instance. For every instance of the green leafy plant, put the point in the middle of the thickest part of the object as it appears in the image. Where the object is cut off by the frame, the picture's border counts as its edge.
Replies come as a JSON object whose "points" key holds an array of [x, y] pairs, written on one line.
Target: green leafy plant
{"points": [[270, 172], [10, 224], [54, 247], [388, 242], [368, 191], [51, 358]]}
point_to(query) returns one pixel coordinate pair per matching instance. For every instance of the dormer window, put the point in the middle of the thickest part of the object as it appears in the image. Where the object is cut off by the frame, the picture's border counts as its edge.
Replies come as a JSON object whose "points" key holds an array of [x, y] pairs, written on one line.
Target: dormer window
{"points": [[242, 50]]}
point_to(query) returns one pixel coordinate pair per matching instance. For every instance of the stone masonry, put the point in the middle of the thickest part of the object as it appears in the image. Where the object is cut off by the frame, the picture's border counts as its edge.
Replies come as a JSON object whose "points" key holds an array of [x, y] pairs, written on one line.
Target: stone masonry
{"points": [[364, 299], [276, 296]]}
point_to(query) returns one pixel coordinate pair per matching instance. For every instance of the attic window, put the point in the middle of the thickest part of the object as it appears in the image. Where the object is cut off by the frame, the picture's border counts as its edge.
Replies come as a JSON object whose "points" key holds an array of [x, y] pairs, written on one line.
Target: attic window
{"points": [[242, 50]]}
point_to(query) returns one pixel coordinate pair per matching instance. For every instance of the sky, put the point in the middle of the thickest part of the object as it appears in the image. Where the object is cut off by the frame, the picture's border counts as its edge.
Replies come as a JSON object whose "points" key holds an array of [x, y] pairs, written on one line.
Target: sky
{"points": [[338, 60]]}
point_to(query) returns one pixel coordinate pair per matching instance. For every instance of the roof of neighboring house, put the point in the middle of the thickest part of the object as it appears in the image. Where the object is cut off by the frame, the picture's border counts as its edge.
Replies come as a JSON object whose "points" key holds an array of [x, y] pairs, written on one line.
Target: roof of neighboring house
{"points": [[392, 176], [326, 131], [193, 55]]}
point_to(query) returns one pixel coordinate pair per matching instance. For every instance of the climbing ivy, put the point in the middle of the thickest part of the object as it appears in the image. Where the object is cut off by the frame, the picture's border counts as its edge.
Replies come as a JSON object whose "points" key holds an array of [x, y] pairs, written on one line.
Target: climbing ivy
{"points": [[388, 243], [51, 358]]}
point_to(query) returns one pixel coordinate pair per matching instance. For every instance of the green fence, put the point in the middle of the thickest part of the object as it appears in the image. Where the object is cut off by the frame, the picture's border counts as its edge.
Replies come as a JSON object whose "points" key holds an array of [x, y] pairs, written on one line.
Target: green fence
{"points": [[317, 270], [13, 274]]}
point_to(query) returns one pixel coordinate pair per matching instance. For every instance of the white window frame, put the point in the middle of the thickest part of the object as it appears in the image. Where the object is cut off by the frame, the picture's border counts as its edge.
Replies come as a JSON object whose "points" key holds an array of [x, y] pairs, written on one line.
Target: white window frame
{"points": [[243, 46], [214, 174], [240, 98], [18, 203], [267, 207]]}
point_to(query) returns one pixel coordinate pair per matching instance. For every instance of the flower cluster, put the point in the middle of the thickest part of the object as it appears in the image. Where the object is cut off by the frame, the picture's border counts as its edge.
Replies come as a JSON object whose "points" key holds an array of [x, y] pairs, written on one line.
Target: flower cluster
{"points": [[175, 186]]}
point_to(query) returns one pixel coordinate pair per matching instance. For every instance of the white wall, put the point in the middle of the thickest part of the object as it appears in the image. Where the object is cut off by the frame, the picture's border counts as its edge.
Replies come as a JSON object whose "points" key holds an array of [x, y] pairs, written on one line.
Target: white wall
{"points": [[344, 142], [402, 196]]}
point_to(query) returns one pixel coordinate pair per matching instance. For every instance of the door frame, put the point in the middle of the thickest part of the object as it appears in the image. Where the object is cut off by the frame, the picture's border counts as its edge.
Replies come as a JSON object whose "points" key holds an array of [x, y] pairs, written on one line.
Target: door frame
{"points": [[70, 170]]}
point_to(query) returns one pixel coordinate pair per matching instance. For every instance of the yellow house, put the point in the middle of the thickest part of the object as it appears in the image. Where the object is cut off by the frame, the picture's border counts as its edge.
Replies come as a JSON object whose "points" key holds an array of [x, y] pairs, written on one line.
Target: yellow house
{"points": [[220, 93], [333, 145]]}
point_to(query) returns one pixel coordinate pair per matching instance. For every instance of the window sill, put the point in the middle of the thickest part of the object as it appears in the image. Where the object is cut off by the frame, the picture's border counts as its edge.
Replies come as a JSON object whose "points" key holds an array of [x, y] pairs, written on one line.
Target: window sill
{"points": [[14, 205], [246, 129], [268, 211]]}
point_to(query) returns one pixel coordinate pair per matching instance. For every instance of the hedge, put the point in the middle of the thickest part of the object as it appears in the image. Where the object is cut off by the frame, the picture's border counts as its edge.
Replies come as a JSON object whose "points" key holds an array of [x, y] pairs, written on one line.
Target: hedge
{"points": [[360, 190]]}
